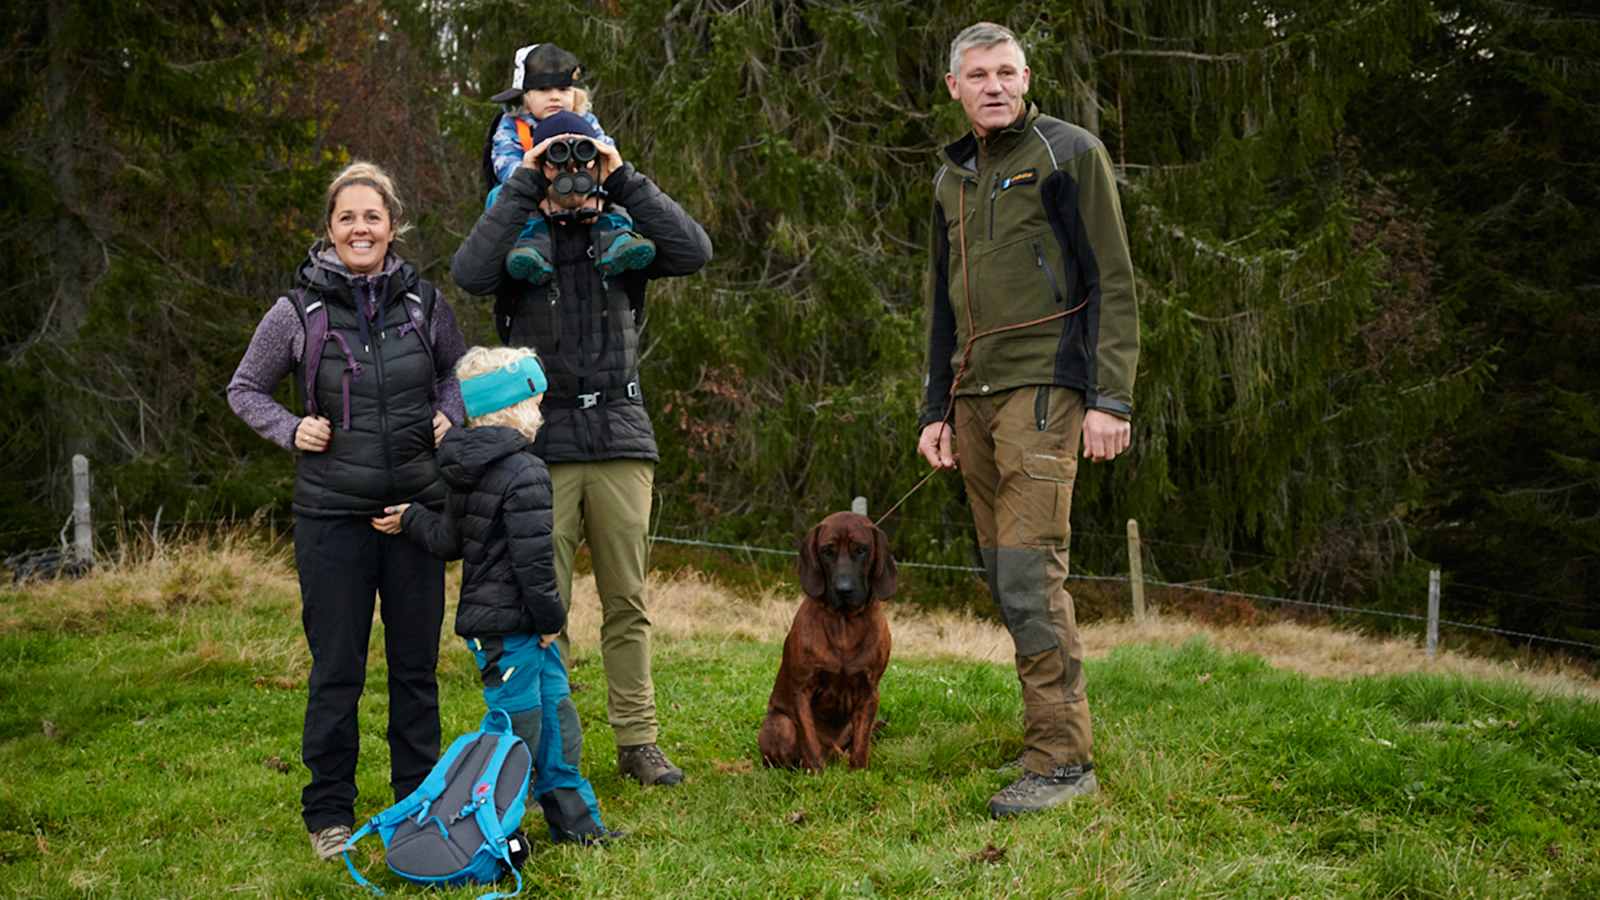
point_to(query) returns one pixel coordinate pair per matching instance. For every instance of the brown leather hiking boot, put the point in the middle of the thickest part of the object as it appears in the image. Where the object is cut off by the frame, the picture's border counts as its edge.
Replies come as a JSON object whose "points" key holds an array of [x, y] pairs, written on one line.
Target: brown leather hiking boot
{"points": [[646, 764]]}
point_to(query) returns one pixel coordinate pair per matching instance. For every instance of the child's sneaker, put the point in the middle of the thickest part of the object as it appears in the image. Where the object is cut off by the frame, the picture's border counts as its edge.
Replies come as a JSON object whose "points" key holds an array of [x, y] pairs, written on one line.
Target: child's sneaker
{"points": [[627, 251], [526, 263]]}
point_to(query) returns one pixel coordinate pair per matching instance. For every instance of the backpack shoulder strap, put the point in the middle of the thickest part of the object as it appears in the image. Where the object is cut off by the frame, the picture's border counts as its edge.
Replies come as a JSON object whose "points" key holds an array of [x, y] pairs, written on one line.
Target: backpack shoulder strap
{"points": [[484, 812], [420, 305], [524, 133], [314, 319], [634, 288]]}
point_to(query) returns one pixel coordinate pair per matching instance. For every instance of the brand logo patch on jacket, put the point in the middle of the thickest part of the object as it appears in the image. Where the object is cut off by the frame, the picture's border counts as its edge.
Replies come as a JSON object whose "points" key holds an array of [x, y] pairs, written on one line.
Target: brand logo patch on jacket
{"points": [[1026, 176]]}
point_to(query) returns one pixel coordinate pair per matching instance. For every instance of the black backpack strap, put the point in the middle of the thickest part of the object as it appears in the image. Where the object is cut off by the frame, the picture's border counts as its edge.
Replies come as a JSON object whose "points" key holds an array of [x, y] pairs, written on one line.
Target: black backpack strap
{"points": [[314, 322], [634, 288], [489, 179], [420, 305]]}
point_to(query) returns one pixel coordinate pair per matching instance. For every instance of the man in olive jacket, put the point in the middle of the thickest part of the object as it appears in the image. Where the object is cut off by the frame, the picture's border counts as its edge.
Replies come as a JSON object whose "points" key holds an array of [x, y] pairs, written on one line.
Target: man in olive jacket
{"points": [[1033, 340], [597, 439]]}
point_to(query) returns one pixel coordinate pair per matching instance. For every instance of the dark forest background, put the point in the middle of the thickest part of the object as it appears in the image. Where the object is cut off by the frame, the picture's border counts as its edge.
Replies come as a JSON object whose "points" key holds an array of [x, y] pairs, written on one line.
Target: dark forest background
{"points": [[1366, 235]]}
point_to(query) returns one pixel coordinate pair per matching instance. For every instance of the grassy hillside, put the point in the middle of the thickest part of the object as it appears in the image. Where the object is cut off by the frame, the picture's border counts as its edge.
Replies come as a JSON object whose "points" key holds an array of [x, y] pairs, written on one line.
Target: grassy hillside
{"points": [[149, 736]]}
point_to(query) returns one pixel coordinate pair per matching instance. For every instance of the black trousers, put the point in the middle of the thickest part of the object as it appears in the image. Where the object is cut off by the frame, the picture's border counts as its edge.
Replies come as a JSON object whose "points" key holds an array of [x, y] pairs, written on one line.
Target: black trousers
{"points": [[344, 563]]}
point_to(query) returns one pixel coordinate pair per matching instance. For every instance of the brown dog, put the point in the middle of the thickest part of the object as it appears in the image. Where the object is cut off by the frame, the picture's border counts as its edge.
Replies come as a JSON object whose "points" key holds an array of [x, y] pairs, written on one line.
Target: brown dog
{"points": [[825, 701]]}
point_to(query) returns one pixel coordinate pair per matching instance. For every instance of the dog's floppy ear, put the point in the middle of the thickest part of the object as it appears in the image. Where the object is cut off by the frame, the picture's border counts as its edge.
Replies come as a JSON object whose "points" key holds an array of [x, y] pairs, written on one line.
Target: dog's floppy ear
{"points": [[811, 577], [884, 579]]}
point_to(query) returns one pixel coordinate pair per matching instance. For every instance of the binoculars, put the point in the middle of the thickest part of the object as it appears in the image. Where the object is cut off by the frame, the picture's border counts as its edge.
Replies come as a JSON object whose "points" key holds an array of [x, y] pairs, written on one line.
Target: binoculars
{"points": [[579, 150]]}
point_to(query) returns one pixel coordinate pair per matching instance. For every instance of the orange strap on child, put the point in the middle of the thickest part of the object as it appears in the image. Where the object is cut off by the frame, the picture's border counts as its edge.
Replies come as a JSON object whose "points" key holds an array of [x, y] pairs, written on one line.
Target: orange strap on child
{"points": [[524, 134]]}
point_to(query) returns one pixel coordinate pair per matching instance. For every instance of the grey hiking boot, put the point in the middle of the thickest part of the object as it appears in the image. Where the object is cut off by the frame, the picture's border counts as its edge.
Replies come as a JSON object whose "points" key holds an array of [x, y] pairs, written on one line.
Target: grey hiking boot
{"points": [[329, 842], [646, 764], [1012, 765], [1035, 793]]}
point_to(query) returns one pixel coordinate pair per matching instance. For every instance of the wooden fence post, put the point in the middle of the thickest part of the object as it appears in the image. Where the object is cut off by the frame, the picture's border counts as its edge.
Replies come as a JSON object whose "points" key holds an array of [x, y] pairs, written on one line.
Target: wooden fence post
{"points": [[83, 527], [859, 506], [1433, 612], [1136, 570]]}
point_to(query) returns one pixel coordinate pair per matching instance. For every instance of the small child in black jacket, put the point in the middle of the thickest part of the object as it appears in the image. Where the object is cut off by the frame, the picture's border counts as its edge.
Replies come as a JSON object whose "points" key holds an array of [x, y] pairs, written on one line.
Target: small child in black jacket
{"points": [[499, 521]]}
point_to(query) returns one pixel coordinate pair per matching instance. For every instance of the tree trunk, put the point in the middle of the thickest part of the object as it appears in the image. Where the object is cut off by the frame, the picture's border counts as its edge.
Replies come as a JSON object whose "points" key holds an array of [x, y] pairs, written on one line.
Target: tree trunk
{"points": [[75, 258]]}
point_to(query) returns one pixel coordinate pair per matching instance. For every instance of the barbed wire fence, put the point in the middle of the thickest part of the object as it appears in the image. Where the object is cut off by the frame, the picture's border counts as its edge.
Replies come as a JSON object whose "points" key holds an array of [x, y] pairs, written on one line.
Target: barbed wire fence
{"points": [[79, 552]]}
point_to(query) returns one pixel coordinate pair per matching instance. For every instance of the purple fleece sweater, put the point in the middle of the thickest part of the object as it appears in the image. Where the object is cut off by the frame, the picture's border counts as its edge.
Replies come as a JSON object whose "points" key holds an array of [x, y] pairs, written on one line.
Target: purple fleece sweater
{"points": [[279, 342]]}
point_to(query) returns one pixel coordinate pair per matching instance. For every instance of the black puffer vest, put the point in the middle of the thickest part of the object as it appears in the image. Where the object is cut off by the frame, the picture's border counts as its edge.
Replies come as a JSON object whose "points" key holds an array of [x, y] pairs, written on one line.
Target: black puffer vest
{"points": [[583, 328], [385, 454]]}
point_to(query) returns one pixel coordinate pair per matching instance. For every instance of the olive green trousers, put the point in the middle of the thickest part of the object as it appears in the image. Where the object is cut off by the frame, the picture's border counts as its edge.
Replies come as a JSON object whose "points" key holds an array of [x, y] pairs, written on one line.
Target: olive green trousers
{"points": [[607, 504]]}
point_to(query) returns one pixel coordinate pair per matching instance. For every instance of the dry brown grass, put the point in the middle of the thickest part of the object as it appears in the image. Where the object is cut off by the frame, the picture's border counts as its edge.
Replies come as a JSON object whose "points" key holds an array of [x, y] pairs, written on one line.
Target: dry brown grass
{"points": [[239, 571], [686, 604], [232, 569]]}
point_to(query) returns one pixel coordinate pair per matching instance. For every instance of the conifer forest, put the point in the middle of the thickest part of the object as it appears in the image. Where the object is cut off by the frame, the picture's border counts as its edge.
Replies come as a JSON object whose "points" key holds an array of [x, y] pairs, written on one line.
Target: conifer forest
{"points": [[1366, 235]]}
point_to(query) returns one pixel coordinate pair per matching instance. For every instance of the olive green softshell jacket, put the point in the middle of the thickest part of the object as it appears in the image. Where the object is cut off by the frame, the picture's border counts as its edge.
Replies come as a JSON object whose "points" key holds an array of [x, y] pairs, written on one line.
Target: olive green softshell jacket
{"points": [[1027, 224]]}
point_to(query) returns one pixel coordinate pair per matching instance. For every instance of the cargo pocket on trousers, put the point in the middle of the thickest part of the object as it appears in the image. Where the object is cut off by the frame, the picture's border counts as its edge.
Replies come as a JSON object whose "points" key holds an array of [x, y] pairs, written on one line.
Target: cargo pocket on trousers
{"points": [[1050, 475]]}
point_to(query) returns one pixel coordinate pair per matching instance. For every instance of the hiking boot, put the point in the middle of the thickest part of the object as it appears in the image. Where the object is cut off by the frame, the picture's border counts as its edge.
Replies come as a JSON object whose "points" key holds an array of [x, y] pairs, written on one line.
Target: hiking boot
{"points": [[646, 764], [329, 842], [1012, 765], [526, 263], [626, 252], [1035, 793]]}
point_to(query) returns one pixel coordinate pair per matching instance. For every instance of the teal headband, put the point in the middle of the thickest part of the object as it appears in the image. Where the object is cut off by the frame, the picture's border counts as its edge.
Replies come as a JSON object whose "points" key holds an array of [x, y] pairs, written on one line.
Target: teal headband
{"points": [[507, 386]]}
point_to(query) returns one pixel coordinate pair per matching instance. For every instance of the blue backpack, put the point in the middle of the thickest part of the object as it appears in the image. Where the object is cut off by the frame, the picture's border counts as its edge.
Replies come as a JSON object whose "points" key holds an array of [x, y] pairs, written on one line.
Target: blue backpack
{"points": [[460, 825]]}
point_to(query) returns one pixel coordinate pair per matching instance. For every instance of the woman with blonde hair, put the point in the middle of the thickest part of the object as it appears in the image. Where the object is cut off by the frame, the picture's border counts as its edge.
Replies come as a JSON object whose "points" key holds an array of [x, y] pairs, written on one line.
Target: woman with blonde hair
{"points": [[372, 347]]}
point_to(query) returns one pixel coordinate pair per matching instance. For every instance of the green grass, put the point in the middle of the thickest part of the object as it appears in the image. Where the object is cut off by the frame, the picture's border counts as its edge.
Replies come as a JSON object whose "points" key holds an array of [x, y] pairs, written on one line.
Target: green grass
{"points": [[170, 767]]}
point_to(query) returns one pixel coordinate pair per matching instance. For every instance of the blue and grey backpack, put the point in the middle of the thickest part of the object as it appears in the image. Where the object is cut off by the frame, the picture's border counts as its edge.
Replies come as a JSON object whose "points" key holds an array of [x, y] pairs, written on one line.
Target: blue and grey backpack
{"points": [[460, 825]]}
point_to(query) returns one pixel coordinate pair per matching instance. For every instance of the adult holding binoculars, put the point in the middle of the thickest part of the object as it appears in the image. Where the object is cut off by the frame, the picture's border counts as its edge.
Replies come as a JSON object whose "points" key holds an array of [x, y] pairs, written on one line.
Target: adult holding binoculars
{"points": [[597, 439]]}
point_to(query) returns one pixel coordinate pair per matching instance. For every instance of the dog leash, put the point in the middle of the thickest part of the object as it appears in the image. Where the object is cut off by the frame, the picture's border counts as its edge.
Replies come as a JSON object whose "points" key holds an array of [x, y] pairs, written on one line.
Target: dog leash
{"points": [[966, 352]]}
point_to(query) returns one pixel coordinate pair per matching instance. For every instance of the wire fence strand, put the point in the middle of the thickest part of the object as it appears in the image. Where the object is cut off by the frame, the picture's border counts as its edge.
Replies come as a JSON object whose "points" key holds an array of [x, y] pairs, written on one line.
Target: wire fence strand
{"points": [[1151, 582], [178, 524]]}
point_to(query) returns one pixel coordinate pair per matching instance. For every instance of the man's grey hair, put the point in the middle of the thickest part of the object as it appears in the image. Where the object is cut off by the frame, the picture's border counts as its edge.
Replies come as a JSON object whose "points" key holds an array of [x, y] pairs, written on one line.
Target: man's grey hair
{"points": [[983, 34]]}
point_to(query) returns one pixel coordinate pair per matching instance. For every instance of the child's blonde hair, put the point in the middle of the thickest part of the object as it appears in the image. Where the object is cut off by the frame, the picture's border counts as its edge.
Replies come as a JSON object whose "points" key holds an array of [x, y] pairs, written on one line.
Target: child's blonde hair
{"points": [[525, 416]]}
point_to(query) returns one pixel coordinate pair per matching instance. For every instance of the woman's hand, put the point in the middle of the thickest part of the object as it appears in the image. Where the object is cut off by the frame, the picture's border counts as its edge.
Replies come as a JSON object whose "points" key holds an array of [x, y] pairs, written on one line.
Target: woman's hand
{"points": [[441, 424], [389, 523], [313, 434], [545, 640]]}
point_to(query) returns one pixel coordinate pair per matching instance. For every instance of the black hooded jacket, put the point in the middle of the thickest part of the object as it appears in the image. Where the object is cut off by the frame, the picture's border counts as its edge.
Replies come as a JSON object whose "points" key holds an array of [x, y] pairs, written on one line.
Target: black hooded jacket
{"points": [[583, 326], [499, 521]]}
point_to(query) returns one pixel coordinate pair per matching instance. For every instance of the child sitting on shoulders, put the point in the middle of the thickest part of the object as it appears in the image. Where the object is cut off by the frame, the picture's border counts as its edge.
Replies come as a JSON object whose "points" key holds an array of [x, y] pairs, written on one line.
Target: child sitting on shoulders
{"points": [[544, 82]]}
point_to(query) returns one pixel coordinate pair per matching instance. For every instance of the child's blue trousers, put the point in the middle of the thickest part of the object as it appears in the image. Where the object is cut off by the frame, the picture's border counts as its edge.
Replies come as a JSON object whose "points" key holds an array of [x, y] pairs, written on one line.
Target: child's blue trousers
{"points": [[530, 683]]}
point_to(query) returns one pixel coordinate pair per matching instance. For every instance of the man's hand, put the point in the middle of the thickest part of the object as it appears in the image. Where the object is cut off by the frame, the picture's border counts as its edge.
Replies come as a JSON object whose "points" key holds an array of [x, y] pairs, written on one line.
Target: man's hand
{"points": [[610, 159], [936, 446], [1105, 435], [441, 424], [530, 159], [389, 523], [313, 434]]}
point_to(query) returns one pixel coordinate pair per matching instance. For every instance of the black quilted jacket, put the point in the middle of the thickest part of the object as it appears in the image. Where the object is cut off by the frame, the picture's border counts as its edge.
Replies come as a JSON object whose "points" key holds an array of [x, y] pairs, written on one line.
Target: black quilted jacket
{"points": [[584, 327], [498, 520]]}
